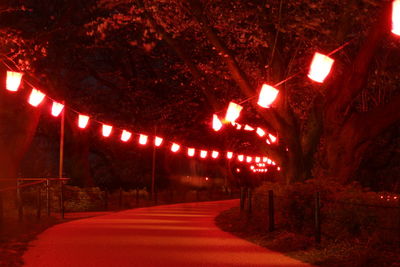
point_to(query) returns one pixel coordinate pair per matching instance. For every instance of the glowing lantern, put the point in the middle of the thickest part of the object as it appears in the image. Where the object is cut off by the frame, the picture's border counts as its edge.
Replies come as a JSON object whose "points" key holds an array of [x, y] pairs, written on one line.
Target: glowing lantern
{"points": [[229, 155], [125, 136], [251, 167], [237, 170], [272, 138], [56, 109], [240, 157], [215, 154], [107, 130], [279, 169], [190, 152], [260, 132], [175, 147], [269, 161], [36, 97], [267, 96], [217, 124], [238, 126], [13, 80], [265, 159], [143, 139], [268, 142], [396, 17], [248, 128], [257, 159], [203, 154], [249, 159], [158, 141], [233, 112], [273, 163], [83, 121], [320, 67]]}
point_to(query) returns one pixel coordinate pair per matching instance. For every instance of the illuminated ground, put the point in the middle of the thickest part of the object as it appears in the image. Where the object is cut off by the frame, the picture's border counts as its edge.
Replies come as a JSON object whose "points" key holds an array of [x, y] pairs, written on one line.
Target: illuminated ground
{"points": [[171, 235]]}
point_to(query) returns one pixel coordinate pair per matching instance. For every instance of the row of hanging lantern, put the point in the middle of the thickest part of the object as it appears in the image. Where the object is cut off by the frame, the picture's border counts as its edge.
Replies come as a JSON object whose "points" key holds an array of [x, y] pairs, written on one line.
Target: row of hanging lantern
{"points": [[37, 97]]}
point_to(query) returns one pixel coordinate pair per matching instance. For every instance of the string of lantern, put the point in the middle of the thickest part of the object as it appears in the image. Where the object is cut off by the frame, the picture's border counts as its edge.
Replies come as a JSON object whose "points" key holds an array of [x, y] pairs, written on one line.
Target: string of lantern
{"points": [[37, 97]]}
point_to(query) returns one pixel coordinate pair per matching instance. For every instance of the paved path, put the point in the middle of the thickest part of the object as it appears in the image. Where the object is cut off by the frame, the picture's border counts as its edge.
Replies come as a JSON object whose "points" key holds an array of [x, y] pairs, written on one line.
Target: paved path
{"points": [[170, 235]]}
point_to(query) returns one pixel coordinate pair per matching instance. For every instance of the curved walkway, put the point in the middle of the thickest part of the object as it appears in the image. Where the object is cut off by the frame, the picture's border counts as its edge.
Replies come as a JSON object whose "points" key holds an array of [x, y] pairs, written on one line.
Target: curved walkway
{"points": [[170, 235]]}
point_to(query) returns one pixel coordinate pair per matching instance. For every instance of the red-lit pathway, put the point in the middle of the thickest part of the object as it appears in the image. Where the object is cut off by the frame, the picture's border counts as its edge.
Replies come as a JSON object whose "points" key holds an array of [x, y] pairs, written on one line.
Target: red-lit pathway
{"points": [[171, 235]]}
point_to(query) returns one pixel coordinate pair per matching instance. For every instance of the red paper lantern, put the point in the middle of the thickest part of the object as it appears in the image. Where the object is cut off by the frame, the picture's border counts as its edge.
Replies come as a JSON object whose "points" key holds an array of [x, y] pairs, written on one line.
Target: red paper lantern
{"points": [[238, 126], [272, 138], [13, 80], [158, 141], [240, 157], [396, 17], [320, 67], [214, 154], [191, 152], [203, 154], [249, 159], [36, 97], [175, 147], [125, 136], [260, 132], [229, 154], [267, 96], [143, 139], [265, 159], [83, 121], [56, 108], [248, 128], [106, 130], [233, 112], [217, 124], [257, 159]]}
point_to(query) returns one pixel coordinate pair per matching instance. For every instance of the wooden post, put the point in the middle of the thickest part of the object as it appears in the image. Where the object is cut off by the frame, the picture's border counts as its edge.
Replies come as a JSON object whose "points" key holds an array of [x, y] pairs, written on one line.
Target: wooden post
{"points": [[317, 218], [61, 157], [62, 199], [271, 212], [48, 196], [39, 201], [249, 199], [19, 202], [242, 198], [120, 198]]}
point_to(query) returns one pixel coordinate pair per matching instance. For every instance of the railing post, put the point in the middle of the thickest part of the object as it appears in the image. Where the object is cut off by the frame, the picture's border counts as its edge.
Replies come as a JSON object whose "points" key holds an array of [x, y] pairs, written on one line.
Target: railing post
{"points": [[120, 198], [249, 200], [271, 211], [48, 197], [19, 202], [242, 198], [317, 218], [39, 201], [62, 199]]}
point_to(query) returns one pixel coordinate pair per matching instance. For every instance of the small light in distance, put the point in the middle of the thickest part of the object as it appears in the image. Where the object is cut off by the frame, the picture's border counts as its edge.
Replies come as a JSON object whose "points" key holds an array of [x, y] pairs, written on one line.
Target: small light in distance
{"points": [[190, 152], [158, 141], [249, 159], [203, 154], [206, 178], [240, 157], [125, 136], [248, 128], [260, 132], [175, 147], [143, 139], [215, 154], [106, 130], [56, 108], [229, 154], [237, 170]]}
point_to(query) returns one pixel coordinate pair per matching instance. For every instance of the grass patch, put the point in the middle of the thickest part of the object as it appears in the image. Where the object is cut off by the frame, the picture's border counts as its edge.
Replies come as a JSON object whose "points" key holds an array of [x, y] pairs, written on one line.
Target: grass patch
{"points": [[330, 253]]}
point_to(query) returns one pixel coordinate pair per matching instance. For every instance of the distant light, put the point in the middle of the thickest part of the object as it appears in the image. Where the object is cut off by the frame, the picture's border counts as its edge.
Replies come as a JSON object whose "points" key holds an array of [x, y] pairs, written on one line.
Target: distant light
{"points": [[251, 167], [229, 154], [279, 168], [175, 147], [83, 121], [267, 96], [36, 97], [237, 170], [13, 80], [240, 157], [265, 159], [217, 124], [106, 130], [214, 154], [249, 159], [206, 178], [268, 142], [56, 108], [260, 132], [190, 152], [143, 139], [248, 128], [396, 17], [203, 154], [257, 159], [125, 136], [233, 112], [158, 141], [320, 67], [238, 126]]}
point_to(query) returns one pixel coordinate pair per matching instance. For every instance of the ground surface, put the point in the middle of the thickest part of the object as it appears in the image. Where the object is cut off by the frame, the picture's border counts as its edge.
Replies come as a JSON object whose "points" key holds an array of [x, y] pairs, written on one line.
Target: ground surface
{"points": [[170, 235]]}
